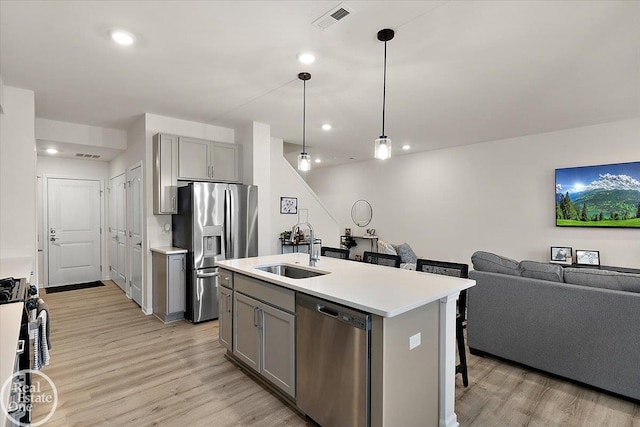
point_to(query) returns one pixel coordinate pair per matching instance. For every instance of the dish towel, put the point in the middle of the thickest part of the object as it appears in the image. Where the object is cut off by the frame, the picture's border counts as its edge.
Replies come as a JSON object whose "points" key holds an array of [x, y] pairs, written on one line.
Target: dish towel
{"points": [[41, 339]]}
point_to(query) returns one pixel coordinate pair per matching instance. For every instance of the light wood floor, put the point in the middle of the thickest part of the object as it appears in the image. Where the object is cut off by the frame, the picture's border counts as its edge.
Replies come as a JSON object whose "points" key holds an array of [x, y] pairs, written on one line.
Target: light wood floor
{"points": [[114, 366]]}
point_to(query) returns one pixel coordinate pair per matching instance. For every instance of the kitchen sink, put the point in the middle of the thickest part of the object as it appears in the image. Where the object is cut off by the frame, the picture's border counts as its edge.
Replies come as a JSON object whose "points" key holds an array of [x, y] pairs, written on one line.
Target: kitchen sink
{"points": [[290, 271]]}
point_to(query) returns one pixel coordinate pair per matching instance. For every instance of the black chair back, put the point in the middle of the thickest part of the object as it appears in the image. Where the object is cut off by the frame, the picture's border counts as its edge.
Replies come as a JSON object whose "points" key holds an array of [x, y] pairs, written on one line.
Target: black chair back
{"points": [[334, 252], [381, 259], [444, 268]]}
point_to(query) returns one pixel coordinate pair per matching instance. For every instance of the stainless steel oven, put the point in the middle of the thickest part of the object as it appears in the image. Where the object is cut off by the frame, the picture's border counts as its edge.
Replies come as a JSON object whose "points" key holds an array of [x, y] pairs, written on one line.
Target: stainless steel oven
{"points": [[17, 291]]}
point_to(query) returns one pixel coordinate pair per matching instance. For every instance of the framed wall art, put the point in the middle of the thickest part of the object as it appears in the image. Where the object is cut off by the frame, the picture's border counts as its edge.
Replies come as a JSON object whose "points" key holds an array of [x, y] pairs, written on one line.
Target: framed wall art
{"points": [[598, 196], [587, 257], [288, 205], [561, 255]]}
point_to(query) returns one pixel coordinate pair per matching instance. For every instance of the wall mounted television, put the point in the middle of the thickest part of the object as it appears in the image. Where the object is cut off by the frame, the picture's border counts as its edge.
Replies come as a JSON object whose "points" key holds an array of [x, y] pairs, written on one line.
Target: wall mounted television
{"points": [[598, 196]]}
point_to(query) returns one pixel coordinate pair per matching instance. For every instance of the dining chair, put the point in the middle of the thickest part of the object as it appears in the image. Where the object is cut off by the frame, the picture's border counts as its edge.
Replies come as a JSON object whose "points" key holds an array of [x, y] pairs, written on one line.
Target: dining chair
{"points": [[381, 259], [334, 252], [454, 270]]}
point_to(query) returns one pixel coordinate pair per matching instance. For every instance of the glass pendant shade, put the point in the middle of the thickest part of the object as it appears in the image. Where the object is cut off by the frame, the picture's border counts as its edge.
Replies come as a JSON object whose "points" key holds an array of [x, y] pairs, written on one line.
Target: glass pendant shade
{"points": [[304, 162], [382, 148]]}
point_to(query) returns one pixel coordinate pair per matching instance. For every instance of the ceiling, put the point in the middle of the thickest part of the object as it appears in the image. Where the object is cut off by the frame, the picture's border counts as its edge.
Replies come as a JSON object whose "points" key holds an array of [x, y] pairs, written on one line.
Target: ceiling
{"points": [[459, 72]]}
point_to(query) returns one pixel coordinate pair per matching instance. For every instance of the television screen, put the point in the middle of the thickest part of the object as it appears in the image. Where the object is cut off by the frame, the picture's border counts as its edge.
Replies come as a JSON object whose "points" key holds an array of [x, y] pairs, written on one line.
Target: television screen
{"points": [[598, 196]]}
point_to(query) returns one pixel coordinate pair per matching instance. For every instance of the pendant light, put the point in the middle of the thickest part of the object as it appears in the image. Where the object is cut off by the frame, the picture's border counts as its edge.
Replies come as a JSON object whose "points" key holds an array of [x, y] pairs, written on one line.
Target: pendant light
{"points": [[304, 159], [382, 145]]}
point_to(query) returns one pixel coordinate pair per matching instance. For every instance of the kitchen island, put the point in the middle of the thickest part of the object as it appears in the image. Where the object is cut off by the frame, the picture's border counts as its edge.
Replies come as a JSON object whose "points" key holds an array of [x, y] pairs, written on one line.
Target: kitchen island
{"points": [[412, 367]]}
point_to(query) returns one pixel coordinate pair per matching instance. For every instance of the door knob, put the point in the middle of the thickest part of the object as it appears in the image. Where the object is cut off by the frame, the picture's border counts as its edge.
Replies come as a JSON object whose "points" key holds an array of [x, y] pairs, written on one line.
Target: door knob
{"points": [[139, 244], [53, 238]]}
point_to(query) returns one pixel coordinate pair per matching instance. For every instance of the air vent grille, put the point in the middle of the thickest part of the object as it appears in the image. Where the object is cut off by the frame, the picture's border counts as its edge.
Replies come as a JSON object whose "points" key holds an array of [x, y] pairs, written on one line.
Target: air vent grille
{"points": [[334, 15], [339, 14], [88, 156]]}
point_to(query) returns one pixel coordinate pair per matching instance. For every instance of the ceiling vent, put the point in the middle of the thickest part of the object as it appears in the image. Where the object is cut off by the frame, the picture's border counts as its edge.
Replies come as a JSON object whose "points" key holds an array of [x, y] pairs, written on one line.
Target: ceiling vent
{"points": [[88, 156], [334, 15]]}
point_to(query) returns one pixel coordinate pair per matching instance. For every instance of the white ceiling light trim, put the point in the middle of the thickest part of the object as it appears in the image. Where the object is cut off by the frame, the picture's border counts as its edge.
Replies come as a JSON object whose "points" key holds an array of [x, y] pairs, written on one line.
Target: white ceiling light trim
{"points": [[326, 126], [52, 151]]}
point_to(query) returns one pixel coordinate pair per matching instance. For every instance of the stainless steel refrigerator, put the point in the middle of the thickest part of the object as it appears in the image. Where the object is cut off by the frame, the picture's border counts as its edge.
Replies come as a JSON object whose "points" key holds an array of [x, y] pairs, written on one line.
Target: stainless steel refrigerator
{"points": [[214, 222]]}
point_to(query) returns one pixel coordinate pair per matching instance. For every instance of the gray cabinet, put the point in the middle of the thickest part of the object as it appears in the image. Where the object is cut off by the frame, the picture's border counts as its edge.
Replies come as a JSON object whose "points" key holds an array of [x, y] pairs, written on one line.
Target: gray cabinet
{"points": [[225, 315], [264, 330], [203, 160], [169, 283], [165, 174]]}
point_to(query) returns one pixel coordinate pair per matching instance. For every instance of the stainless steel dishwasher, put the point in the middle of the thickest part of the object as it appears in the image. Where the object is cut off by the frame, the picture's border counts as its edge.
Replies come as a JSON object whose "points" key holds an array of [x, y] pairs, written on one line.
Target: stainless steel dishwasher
{"points": [[333, 362]]}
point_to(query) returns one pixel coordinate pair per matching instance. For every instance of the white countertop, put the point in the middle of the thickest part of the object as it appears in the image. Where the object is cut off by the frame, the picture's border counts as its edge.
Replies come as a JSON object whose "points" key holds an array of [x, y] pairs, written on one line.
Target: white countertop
{"points": [[19, 267], [381, 290], [10, 318], [169, 250]]}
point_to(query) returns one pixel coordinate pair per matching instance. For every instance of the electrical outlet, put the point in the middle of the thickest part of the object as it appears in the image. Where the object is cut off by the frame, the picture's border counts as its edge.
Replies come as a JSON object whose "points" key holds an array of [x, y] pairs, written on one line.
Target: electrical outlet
{"points": [[415, 340]]}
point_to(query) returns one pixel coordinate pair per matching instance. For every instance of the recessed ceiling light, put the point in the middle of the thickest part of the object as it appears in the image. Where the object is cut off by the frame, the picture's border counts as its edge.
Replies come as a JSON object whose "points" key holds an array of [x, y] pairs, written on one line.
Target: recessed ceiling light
{"points": [[122, 37], [326, 126], [406, 147], [52, 150], [306, 58], [318, 161]]}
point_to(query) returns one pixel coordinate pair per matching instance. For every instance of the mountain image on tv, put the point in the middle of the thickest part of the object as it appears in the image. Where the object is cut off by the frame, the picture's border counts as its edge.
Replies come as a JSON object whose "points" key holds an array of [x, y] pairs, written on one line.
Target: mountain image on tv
{"points": [[598, 196]]}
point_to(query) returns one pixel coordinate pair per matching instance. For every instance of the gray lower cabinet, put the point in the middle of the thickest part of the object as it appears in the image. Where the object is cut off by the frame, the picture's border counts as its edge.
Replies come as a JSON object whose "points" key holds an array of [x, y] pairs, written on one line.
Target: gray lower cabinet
{"points": [[169, 286], [225, 316], [263, 334]]}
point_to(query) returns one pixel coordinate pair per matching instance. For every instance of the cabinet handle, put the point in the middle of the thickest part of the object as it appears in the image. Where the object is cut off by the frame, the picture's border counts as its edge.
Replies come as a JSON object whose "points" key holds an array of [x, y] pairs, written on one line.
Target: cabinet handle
{"points": [[255, 316], [173, 203], [228, 303]]}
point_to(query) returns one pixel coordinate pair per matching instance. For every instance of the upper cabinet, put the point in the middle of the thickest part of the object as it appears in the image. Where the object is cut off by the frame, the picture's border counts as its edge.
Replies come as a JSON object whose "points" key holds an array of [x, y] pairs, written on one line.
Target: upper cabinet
{"points": [[165, 174], [189, 159], [203, 160]]}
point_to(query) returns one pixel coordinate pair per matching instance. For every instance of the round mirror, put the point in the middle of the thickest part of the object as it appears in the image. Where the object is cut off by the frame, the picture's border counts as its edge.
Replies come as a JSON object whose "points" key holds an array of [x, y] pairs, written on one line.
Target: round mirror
{"points": [[361, 213]]}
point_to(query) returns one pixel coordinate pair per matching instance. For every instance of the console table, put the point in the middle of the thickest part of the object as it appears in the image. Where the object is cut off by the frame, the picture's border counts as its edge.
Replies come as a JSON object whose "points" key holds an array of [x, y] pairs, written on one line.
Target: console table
{"points": [[295, 246], [373, 241]]}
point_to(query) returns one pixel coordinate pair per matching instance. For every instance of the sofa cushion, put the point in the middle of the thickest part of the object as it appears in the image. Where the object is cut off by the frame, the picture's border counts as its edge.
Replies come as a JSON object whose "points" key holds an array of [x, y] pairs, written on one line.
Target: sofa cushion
{"points": [[492, 263], [602, 279], [541, 270], [406, 253]]}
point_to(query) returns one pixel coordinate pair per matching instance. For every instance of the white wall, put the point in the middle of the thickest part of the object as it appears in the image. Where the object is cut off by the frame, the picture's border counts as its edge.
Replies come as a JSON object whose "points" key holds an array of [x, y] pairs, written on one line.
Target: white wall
{"points": [[57, 167], [17, 174], [52, 130], [496, 196], [286, 182]]}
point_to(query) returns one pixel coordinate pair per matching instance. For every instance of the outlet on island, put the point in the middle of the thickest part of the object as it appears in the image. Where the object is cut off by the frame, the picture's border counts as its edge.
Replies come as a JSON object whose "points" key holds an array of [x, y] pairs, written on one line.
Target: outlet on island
{"points": [[414, 341]]}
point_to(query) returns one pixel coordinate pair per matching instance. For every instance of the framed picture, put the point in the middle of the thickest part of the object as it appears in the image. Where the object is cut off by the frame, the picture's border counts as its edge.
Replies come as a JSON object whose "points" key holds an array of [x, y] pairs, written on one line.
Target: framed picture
{"points": [[561, 255], [288, 205], [598, 196], [587, 257]]}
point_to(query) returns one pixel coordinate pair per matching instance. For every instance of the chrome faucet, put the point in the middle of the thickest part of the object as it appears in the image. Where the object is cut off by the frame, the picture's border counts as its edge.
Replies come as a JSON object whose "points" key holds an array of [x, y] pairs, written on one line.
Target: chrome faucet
{"points": [[313, 254]]}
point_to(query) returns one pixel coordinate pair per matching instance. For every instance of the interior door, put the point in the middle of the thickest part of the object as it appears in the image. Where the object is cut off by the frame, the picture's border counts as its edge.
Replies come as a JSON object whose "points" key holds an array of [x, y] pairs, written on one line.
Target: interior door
{"points": [[134, 208], [73, 231], [117, 231]]}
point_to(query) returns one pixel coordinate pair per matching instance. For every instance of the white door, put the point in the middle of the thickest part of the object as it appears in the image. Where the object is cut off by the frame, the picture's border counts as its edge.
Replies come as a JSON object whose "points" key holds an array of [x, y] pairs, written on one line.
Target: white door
{"points": [[73, 230], [134, 212], [117, 231]]}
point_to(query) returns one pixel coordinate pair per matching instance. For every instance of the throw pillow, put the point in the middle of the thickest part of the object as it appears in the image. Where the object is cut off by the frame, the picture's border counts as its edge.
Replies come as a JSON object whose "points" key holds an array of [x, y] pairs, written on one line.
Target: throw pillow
{"points": [[492, 263], [541, 270], [386, 248], [406, 253]]}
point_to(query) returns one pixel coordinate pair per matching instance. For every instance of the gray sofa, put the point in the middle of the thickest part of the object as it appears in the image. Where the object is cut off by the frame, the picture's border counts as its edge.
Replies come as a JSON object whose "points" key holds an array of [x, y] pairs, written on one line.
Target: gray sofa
{"points": [[580, 324]]}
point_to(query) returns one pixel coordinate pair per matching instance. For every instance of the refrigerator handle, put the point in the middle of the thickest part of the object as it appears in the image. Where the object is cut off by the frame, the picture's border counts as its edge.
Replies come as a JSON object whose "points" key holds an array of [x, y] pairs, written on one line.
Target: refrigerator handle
{"points": [[228, 224]]}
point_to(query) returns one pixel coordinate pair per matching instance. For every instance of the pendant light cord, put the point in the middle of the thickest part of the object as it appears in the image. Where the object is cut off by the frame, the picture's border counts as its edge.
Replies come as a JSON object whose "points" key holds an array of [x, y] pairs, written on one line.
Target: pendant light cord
{"points": [[304, 114], [384, 87]]}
